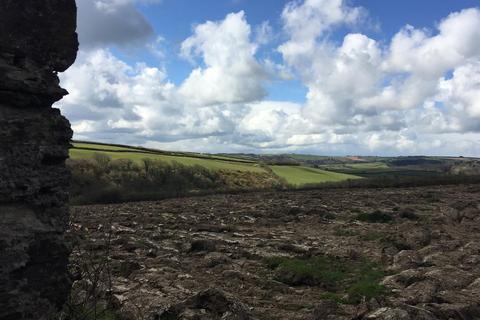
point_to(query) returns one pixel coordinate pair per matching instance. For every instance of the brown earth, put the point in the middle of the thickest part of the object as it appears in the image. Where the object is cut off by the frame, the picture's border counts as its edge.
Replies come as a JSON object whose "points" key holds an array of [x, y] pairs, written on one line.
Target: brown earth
{"points": [[204, 257]]}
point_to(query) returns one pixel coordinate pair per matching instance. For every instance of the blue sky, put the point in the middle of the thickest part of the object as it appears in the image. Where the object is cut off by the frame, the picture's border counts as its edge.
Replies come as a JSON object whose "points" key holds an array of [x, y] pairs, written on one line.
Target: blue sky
{"points": [[316, 76], [173, 20]]}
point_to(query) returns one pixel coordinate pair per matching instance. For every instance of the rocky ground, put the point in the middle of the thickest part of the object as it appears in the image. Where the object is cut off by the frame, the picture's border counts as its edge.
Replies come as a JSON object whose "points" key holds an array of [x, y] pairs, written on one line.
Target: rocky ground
{"points": [[210, 257]]}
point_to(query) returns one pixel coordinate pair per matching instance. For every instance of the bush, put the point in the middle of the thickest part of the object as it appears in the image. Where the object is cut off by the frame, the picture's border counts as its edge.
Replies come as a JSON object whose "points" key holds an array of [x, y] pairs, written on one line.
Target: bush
{"points": [[102, 180]]}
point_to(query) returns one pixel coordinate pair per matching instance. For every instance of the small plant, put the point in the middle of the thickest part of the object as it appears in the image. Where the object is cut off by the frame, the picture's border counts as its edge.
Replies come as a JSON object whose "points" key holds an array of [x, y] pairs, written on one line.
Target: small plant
{"points": [[322, 270], [367, 285], [374, 217], [347, 281]]}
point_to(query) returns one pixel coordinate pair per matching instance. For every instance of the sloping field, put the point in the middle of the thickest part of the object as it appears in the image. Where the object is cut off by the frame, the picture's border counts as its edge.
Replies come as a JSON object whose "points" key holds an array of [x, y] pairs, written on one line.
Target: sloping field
{"points": [[96, 146], [138, 155], [298, 175]]}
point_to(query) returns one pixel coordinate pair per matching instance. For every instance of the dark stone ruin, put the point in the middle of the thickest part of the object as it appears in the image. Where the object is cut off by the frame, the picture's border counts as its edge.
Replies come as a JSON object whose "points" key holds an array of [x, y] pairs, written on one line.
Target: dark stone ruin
{"points": [[37, 40]]}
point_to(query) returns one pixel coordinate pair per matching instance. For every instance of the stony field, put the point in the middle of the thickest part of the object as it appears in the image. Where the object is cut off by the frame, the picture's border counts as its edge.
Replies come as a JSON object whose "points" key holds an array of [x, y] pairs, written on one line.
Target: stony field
{"points": [[411, 253]]}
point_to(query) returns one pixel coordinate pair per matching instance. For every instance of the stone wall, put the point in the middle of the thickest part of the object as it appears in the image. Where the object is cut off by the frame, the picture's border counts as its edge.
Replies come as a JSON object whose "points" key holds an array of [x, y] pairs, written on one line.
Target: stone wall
{"points": [[37, 40]]}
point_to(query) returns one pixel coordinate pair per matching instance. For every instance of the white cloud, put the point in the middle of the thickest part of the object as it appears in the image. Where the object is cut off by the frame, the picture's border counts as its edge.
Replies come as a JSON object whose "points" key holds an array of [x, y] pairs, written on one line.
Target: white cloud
{"points": [[391, 92], [231, 73], [417, 93], [305, 22], [263, 33], [413, 51]]}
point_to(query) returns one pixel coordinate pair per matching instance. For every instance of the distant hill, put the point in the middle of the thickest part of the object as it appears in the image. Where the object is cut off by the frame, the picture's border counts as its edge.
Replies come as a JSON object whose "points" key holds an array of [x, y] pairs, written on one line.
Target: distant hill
{"points": [[217, 162]]}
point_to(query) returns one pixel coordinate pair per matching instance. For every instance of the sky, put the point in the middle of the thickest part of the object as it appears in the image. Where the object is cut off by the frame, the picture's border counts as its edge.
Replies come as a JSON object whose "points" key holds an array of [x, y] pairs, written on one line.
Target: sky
{"points": [[327, 77]]}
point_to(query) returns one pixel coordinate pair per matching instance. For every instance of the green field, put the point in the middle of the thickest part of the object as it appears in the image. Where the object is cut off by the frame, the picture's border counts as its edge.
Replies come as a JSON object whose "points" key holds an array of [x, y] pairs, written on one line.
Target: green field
{"points": [[138, 156], [358, 166], [298, 175], [119, 148]]}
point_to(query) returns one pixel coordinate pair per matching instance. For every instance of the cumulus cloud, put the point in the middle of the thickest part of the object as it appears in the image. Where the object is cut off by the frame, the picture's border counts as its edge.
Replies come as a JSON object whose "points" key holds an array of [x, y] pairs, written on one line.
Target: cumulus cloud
{"points": [[231, 73], [407, 95], [459, 99], [391, 93], [305, 22], [112, 22], [108, 96]]}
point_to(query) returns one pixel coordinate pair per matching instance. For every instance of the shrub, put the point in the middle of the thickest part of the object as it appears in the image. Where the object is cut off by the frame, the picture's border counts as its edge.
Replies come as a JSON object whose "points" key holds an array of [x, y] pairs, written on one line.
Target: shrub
{"points": [[102, 180]]}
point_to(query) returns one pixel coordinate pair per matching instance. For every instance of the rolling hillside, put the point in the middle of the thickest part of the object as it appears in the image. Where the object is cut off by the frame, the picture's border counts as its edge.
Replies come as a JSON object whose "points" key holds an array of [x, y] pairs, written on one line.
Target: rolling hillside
{"points": [[294, 175], [83, 150]]}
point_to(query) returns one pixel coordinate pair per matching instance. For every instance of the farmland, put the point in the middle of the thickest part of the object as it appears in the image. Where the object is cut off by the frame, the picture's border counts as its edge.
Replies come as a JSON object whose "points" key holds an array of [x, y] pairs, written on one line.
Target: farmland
{"points": [[86, 151], [294, 175], [299, 175], [286, 255], [104, 173]]}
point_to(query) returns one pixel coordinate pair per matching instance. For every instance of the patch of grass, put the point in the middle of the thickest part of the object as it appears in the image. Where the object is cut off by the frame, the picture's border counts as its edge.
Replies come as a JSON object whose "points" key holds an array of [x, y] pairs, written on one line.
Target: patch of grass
{"points": [[321, 270], [334, 297], [353, 279], [374, 217], [298, 175], [367, 284]]}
